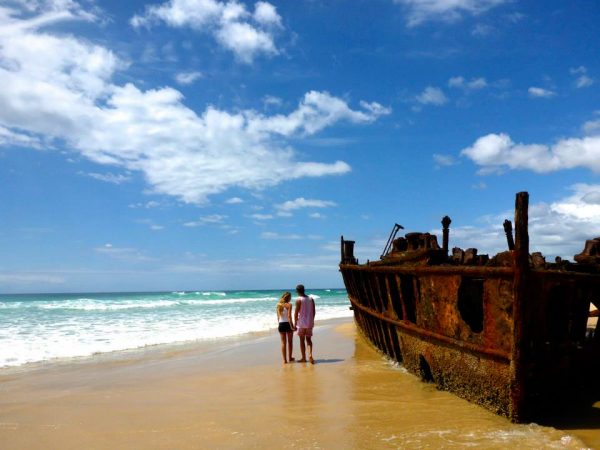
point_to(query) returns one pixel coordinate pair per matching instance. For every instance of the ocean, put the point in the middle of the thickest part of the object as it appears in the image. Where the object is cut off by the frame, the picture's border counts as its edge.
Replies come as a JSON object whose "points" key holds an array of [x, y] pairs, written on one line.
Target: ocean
{"points": [[46, 327]]}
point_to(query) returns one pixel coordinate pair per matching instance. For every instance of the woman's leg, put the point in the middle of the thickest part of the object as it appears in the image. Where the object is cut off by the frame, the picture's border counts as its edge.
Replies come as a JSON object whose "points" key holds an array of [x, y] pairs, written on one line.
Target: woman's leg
{"points": [[283, 338], [290, 341]]}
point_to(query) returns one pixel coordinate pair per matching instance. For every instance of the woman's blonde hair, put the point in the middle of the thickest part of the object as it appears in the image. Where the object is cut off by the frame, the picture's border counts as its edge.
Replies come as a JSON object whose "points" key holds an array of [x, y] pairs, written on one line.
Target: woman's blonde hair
{"points": [[286, 297]]}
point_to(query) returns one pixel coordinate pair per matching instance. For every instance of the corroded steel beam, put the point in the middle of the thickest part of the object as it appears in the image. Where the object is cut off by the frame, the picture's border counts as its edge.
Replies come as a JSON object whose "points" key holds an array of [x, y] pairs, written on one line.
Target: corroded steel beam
{"points": [[414, 329]]}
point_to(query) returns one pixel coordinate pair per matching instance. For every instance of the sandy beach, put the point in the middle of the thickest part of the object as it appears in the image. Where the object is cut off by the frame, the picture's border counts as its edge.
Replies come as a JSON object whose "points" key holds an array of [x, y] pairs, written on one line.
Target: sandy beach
{"points": [[237, 394]]}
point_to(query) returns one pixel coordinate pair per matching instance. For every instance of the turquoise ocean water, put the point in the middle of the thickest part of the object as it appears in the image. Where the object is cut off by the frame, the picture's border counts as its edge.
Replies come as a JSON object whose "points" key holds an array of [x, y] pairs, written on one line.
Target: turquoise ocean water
{"points": [[43, 327]]}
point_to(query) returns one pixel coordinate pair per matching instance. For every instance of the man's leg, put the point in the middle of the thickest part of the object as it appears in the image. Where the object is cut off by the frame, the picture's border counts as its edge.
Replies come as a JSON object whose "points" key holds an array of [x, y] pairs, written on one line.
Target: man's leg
{"points": [[302, 349], [310, 349]]}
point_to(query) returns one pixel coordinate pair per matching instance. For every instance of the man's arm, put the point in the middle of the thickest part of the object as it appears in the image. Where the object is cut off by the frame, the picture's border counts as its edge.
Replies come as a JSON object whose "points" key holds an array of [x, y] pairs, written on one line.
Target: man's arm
{"points": [[314, 309], [297, 311]]}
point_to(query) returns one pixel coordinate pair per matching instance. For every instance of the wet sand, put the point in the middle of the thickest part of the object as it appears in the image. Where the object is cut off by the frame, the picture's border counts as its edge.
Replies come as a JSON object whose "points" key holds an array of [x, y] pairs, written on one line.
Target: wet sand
{"points": [[237, 394]]}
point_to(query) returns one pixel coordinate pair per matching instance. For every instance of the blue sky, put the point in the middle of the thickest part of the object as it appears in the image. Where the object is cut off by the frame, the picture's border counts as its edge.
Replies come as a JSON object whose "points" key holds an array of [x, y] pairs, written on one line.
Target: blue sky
{"points": [[203, 144]]}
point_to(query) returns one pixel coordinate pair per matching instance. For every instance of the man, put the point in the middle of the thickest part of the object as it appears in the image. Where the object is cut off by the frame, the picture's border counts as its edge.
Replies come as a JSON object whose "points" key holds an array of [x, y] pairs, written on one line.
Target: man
{"points": [[304, 317]]}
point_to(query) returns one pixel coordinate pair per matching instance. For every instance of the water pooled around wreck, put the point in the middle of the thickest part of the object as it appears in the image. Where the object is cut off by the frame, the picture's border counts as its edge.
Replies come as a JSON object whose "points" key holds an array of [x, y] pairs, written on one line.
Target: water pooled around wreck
{"points": [[403, 412]]}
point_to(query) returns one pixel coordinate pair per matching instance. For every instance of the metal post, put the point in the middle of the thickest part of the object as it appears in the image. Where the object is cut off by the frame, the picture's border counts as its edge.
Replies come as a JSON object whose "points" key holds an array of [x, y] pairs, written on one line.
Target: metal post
{"points": [[445, 233], [519, 345]]}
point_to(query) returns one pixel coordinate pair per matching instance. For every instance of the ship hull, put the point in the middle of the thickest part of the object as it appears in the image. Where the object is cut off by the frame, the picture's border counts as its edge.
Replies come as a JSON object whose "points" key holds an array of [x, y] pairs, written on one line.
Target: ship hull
{"points": [[464, 329]]}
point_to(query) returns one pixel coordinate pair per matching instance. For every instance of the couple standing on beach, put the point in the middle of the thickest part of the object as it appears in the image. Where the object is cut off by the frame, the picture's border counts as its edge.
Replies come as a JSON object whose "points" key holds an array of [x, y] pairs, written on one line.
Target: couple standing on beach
{"points": [[304, 318]]}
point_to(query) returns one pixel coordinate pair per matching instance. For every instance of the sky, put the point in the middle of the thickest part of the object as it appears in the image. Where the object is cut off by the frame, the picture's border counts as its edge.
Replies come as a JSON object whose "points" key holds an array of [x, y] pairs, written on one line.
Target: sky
{"points": [[208, 144]]}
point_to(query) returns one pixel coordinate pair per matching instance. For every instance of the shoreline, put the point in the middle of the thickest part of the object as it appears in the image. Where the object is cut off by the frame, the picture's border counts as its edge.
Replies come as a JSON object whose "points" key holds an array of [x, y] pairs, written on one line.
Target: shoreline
{"points": [[151, 351], [239, 395]]}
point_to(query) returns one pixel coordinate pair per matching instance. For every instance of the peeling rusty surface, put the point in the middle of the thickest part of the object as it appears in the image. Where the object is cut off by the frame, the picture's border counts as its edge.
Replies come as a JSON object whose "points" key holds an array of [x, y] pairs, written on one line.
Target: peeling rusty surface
{"points": [[507, 332]]}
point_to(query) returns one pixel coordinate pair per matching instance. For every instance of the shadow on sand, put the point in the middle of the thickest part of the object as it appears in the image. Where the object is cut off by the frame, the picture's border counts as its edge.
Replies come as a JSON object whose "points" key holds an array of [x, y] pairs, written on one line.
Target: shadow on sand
{"points": [[328, 361]]}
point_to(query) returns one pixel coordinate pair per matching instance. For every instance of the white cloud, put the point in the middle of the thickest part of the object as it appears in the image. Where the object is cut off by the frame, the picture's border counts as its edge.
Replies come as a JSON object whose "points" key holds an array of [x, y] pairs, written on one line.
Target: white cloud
{"points": [[559, 228], [206, 220], [234, 201], [444, 160], [28, 278], [302, 202], [473, 85], [12, 138], [316, 215], [270, 100], [432, 96], [186, 78], [497, 151], [151, 225], [540, 92], [272, 235], [123, 253], [266, 14], [108, 177], [419, 11], [147, 205], [482, 30], [231, 24], [258, 216], [583, 81], [245, 41], [60, 87], [375, 108], [592, 127]]}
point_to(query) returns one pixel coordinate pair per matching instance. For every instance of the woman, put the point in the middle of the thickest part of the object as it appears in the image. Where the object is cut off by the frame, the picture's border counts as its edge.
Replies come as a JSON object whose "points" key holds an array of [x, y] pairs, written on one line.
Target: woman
{"points": [[286, 326]]}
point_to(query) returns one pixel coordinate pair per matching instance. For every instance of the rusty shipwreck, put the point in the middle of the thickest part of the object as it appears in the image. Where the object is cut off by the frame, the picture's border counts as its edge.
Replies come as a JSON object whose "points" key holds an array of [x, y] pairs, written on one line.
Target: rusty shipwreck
{"points": [[510, 332]]}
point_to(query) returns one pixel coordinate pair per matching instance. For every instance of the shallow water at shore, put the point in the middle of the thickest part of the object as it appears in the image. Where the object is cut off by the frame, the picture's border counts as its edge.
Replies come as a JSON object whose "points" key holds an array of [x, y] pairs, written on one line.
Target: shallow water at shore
{"points": [[44, 327]]}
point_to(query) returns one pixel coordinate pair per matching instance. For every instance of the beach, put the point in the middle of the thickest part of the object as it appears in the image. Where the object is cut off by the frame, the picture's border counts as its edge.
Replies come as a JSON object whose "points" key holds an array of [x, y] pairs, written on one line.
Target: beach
{"points": [[236, 393]]}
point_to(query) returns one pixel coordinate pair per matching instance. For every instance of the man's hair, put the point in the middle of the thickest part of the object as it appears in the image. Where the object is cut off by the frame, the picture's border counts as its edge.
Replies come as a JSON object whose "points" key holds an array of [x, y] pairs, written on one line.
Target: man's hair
{"points": [[300, 289]]}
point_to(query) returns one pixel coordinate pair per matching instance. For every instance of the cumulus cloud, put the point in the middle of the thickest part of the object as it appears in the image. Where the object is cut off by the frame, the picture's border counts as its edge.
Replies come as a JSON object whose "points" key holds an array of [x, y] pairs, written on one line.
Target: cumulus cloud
{"points": [[235, 28], [266, 14], [60, 88], [540, 92], [234, 201], [495, 152], [419, 11], [431, 96]]}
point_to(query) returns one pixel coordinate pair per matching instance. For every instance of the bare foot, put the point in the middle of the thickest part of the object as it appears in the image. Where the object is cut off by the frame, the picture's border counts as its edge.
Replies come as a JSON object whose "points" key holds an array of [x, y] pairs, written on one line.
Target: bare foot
{"points": [[302, 360], [312, 361], [292, 359]]}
